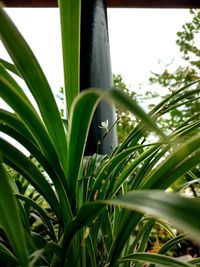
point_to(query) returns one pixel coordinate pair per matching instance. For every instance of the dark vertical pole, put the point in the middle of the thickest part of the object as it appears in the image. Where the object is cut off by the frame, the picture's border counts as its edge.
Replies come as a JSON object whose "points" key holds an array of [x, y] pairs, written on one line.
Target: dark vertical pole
{"points": [[95, 71]]}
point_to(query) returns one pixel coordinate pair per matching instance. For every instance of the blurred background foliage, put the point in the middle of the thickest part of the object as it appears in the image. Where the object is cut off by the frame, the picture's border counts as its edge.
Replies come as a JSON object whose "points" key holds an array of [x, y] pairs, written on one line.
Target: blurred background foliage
{"points": [[189, 71], [189, 46]]}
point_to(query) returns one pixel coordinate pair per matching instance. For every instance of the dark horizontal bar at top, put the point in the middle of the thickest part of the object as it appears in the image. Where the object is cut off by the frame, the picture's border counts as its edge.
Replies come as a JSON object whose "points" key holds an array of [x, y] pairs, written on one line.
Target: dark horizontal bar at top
{"points": [[154, 3], [112, 3]]}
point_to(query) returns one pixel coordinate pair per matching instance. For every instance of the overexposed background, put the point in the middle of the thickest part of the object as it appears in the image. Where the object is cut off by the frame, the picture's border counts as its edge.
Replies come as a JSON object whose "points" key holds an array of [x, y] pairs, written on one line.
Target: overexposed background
{"points": [[141, 41]]}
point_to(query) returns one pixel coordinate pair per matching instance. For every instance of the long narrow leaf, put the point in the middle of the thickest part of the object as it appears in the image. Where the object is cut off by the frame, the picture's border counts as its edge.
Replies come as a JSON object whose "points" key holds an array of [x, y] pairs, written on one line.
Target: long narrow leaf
{"points": [[195, 262], [172, 242], [11, 119], [130, 168], [10, 218], [24, 166], [80, 118], [36, 153], [85, 216], [133, 107], [11, 67], [7, 256], [34, 77], [7, 78], [157, 259], [31, 120], [111, 165], [58, 180], [149, 224], [182, 153], [42, 213], [70, 13], [180, 211]]}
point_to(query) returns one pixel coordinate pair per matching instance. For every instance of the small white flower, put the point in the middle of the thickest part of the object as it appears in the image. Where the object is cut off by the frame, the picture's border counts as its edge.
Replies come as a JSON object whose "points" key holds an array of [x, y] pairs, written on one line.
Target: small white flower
{"points": [[104, 125]]}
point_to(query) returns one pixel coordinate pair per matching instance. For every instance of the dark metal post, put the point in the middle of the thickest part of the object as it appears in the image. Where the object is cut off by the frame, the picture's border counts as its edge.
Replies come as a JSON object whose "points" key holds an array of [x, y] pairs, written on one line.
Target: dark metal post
{"points": [[95, 71]]}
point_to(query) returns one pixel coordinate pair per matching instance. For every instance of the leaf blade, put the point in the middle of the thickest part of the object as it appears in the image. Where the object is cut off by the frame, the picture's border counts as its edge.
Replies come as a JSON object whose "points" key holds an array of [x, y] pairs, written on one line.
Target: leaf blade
{"points": [[156, 259], [70, 12], [34, 77], [10, 218]]}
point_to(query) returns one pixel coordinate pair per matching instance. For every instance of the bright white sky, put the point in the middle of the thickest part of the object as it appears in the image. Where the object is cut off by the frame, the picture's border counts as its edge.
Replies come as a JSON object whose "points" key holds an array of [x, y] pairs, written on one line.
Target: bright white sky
{"points": [[138, 39]]}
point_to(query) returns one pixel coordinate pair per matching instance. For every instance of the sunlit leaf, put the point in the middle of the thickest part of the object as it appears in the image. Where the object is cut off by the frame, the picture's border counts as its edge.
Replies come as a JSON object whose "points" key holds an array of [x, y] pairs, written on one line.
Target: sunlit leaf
{"points": [[70, 13]]}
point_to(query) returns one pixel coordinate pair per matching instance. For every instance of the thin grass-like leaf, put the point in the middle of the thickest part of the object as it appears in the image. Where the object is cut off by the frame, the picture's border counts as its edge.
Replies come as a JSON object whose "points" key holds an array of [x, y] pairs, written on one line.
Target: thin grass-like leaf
{"points": [[7, 78], [36, 81], [80, 118], [42, 213], [182, 153], [161, 260], [24, 166], [165, 205], [36, 153], [158, 110], [111, 165], [161, 106], [171, 243], [187, 184], [177, 104], [58, 180], [91, 251], [195, 262], [145, 232], [11, 119], [189, 120], [180, 97], [139, 235], [133, 107], [11, 67], [180, 170], [70, 13], [50, 247], [10, 219], [85, 216], [183, 131], [130, 168], [159, 204], [30, 118], [81, 115], [7, 256]]}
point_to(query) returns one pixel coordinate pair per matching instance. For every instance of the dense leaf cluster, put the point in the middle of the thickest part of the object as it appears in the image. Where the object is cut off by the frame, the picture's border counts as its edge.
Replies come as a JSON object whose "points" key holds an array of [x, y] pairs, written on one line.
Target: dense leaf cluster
{"points": [[59, 208]]}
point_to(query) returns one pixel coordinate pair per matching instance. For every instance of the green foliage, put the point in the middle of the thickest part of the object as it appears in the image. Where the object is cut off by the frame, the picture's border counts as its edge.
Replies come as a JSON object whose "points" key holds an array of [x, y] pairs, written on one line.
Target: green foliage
{"points": [[126, 121], [70, 26], [59, 208], [188, 45], [188, 72]]}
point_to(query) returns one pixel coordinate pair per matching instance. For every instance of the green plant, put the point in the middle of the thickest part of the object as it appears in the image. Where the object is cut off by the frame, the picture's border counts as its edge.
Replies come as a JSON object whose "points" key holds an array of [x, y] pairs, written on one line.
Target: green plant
{"points": [[126, 121], [91, 211], [185, 73]]}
